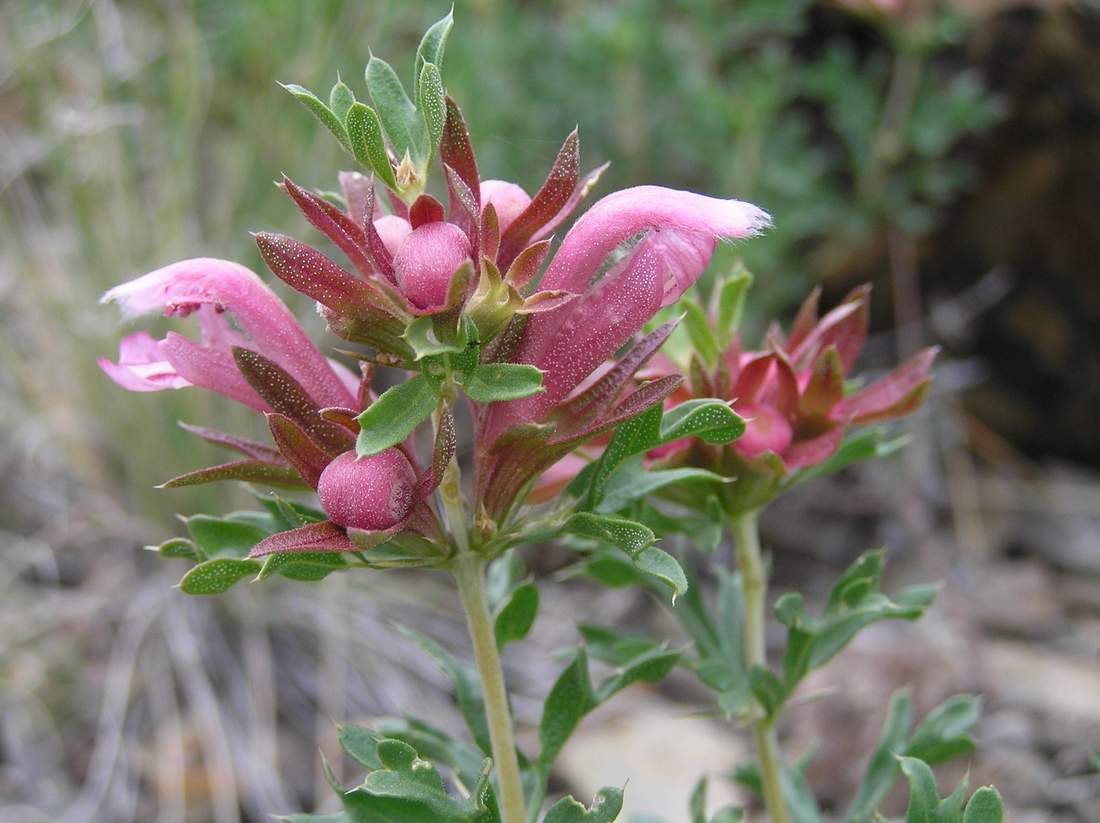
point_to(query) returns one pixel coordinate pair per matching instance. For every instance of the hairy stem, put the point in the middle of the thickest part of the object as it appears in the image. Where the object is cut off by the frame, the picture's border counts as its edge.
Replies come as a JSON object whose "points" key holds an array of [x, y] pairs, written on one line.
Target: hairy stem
{"points": [[754, 586], [469, 572]]}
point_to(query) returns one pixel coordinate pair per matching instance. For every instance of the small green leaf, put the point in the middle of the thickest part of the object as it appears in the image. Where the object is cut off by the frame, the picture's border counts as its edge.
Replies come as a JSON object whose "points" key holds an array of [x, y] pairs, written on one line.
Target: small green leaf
{"points": [[433, 102], [924, 796], [422, 336], [712, 421], [322, 112], [882, 771], [633, 481], [984, 806], [340, 99], [698, 329], [664, 567], [367, 143], [942, 735], [731, 301], [493, 382], [604, 809], [401, 121], [503, 576], [648, 667], [223, 537], [570, 699], [627, 535], [179, 547], [767, 688], [304, 567], [432, 46], [393, 416], [611, 646], [516, 615], [218, 575], [361, 744], [468, 693]]}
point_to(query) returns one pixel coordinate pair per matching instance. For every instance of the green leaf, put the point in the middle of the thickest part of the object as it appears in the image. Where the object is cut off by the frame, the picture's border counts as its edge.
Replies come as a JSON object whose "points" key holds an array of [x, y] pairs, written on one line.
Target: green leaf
{"points": [[767, 688], [322, 112], [401, 121], [178, 547], [605, 808], [731, 302], [222, 537], [471, 703], [664, 567], [633, 481], [340, 100], [218, 575], [516, 615], [924, 796], [432, 46], [422, 335], [984, 806], [306, 567], [882, 771], [361, 744], [393, 416], [712, 421], [698, 329], [570, 699], [611, 646], [649, 667], [949, 810], [466, 761], [630, 537], [943, 733], [405, 776], [367, 143], [503, 576], [433, 102], [493, 382]]}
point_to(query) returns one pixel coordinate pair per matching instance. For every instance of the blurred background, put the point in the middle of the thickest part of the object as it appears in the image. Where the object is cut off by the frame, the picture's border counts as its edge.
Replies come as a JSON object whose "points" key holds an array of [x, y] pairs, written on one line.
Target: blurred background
{"points": [[949, 153]]}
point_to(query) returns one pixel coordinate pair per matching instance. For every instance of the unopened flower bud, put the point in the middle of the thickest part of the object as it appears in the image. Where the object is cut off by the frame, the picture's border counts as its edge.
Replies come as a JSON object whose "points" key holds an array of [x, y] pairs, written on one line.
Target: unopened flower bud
{"points": [[393, 230], [370, 493], [508, 199], [426, 261]]}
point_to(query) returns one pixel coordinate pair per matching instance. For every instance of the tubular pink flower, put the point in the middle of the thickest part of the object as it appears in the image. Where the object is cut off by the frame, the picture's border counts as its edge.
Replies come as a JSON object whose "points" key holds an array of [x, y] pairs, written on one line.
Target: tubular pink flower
{"points": [[508, 199], [211, 288], [142, 366], [393, 230], [681, 231], [372, 493], [426, 261]]}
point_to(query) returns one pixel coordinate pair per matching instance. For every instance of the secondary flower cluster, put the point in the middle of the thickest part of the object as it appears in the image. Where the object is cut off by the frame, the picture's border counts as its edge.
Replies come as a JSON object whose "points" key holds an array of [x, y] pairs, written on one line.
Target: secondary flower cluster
{"points": [[452, 296]]}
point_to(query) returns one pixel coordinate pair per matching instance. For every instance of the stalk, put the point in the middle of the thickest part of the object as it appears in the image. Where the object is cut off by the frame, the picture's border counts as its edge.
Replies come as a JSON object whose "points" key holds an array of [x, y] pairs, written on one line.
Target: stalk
{"points": [[469, 573], [754, 584]]}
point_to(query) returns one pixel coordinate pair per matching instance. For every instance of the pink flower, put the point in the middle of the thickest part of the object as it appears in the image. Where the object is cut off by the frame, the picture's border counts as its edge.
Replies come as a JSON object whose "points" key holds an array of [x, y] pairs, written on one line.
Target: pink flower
{"points": [[507, 199], [792, 395], [680, 230], [372, 493], [215, 289]]}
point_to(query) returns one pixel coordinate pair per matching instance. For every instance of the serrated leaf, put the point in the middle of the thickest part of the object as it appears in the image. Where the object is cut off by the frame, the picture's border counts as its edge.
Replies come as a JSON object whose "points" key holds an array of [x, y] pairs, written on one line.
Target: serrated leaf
{"points": [[322, 112], [516, 615], [367, 143], [218, 575], [494, 382], [605, 808], [393, 416]]}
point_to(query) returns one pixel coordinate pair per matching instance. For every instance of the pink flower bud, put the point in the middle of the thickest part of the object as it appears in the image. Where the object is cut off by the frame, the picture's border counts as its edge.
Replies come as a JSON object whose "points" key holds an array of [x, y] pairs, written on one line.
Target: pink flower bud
{"points": [[766, 431], [393, 230], [508, 199], [426, 261], [370, 493]]}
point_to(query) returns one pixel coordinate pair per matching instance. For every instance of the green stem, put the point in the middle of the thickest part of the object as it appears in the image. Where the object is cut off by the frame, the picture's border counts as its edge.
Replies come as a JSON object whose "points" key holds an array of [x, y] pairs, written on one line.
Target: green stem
{"points": [[754, 586], [469, 573]]}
